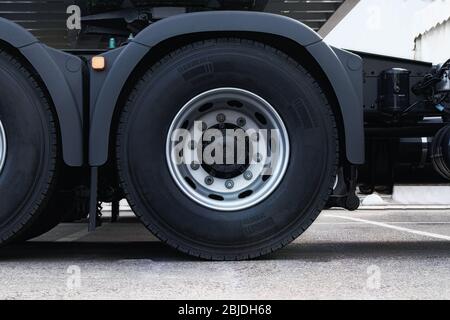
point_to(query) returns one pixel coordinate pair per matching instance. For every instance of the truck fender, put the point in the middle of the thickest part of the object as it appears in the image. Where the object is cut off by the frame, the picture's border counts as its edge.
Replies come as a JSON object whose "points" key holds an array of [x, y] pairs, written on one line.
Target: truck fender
{"points": [[343, 69], [62, 76]]}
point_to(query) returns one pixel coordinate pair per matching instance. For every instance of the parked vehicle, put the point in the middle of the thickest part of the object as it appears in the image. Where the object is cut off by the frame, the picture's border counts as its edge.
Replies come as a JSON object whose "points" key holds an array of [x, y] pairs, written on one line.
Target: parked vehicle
{"points": [[78, 128]]}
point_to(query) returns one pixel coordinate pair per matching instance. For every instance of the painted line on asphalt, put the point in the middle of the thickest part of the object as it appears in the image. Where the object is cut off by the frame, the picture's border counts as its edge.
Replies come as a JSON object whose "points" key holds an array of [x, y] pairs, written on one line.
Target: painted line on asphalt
{"points": [[391, 222], [389, 226], [74, 236]]}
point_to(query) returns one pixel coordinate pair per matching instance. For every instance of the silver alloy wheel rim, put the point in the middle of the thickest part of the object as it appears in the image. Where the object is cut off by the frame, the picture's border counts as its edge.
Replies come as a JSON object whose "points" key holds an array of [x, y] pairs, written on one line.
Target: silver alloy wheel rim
{"points": [[2, 146], [252, 186]]}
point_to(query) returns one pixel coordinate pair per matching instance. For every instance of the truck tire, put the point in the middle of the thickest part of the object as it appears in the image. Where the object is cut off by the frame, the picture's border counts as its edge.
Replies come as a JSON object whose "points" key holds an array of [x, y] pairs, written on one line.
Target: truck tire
{"points": [[227, 79], [50, 217], [28, 149]]}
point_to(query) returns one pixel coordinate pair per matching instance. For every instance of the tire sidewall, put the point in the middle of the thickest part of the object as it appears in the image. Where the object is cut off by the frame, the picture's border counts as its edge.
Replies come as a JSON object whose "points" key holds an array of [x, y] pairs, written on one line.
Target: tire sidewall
{"points": [[30, 160]]}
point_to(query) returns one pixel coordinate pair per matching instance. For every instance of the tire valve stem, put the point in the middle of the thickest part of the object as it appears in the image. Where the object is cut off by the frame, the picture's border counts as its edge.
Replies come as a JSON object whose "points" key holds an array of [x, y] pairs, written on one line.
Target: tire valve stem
{"points": [[229, 184]]}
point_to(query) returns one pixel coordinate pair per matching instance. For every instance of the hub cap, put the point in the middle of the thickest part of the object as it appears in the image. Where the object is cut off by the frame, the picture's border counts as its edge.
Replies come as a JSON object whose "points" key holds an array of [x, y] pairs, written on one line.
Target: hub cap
{"points": [[227, 149], [2, 146]]}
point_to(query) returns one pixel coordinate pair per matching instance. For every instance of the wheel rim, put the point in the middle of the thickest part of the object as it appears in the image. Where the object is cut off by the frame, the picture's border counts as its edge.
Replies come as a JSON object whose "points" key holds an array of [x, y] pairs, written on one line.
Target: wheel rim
{"points": [[254, 161], [2, 146]]}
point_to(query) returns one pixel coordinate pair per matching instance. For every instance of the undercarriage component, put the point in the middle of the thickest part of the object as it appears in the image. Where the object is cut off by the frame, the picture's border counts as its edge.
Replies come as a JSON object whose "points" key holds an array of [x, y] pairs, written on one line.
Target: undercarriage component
{"points": [[93, 200], [344, 191], [406, 104], [119, 19], [441, 152], [394, 91], [398, 157]]}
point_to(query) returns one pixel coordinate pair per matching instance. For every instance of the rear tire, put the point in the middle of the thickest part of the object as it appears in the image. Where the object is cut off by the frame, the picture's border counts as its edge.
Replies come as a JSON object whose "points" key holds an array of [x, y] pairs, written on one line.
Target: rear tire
{"points": [[206, 231], [29, 170], [57, 206]]}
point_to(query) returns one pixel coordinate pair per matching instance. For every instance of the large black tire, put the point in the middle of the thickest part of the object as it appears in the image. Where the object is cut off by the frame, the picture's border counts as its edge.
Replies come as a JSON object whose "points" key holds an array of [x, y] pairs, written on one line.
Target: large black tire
{"points": [[62, 205], [57, 206], [195, 229], [29, 172]]}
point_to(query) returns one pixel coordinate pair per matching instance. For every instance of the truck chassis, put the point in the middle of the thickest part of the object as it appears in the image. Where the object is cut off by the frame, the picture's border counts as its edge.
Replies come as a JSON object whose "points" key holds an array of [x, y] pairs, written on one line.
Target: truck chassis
{"points": [[84, 127]]}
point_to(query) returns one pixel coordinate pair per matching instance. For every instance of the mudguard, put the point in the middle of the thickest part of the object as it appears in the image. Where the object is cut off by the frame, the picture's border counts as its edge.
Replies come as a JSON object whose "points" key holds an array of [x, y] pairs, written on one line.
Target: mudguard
{"points": [[343, 69], [62, 75]]}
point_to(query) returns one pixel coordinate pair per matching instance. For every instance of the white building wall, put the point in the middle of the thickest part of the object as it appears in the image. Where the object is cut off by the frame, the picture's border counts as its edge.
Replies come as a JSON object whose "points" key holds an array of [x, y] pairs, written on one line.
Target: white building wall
{"points": [[388, 26], [434, 45]]}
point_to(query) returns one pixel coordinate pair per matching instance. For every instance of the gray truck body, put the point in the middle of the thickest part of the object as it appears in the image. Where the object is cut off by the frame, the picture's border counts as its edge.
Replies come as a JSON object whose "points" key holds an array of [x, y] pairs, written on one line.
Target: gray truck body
{"points": [[62, 74]]}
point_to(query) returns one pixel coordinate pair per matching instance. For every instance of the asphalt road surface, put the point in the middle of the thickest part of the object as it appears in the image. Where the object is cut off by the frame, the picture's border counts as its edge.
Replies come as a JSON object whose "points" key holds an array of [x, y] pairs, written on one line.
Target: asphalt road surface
{"points": [[364, 255]]}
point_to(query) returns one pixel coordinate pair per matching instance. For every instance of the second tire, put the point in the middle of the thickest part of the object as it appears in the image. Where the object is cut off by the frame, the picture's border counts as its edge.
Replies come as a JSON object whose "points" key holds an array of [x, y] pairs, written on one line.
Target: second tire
{"points": [[227, 84]]}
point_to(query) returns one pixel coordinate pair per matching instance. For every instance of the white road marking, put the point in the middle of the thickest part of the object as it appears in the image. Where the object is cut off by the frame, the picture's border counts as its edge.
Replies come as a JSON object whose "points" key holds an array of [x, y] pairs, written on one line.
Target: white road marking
{"points": [[74, 236], [385, 225], [391, 222]]}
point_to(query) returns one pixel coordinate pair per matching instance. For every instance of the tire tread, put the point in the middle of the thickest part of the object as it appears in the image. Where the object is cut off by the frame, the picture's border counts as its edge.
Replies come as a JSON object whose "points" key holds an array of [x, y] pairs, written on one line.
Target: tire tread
{"points": [[36, 209]]}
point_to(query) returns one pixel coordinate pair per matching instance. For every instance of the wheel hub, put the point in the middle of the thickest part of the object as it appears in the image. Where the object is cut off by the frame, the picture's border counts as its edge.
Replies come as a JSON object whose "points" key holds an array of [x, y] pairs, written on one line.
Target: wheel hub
{"points": [[2, 146], [239, 156], [224, 169]]}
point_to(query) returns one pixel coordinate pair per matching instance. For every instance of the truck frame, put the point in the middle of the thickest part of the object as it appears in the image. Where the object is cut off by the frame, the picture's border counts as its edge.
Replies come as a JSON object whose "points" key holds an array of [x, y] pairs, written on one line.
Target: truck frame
{"points": [[99, 128]]}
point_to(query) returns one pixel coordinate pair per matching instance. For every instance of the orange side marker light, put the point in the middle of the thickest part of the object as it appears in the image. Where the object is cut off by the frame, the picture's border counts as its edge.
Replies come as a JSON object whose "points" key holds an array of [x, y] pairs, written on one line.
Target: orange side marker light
{"points": [[98, 63]]}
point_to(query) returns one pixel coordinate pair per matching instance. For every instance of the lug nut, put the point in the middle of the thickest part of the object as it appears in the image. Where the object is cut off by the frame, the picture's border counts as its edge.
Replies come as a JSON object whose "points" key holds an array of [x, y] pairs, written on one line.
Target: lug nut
{"points": [[229, 184], [221, 118], [241, 122], [195, 166], [248, 175], [209, 180]]}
